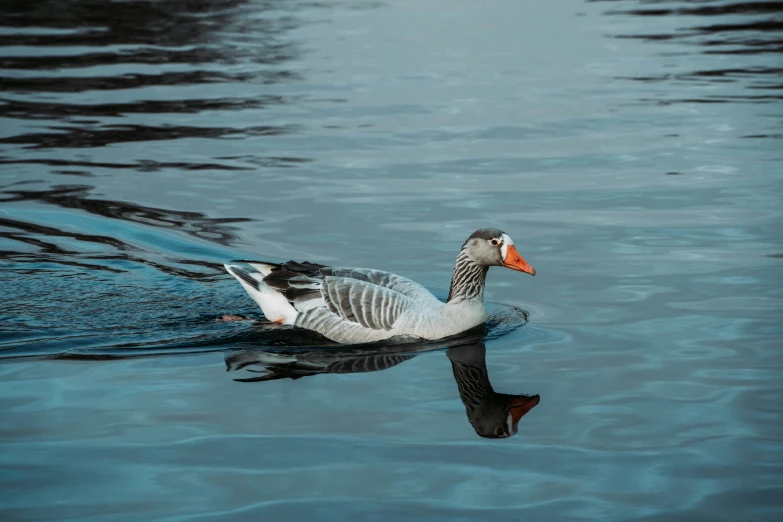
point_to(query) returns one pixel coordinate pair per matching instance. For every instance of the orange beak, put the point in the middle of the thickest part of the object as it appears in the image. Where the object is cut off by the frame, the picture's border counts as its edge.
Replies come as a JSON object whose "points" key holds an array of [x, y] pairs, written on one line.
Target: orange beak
{"points": [[515, 262], [520, 405]]}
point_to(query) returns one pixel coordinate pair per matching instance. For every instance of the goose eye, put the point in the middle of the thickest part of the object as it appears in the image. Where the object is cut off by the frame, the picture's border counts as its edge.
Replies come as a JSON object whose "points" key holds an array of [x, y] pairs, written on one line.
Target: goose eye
{"points": [[494, 242]]}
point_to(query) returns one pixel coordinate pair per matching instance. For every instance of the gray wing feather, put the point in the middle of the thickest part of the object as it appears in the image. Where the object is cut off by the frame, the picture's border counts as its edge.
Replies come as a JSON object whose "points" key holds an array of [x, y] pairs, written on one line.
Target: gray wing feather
{"points": [[300, 281], [364, 303], [366, 308], [353, 298], [388, 280], [334, 327]]}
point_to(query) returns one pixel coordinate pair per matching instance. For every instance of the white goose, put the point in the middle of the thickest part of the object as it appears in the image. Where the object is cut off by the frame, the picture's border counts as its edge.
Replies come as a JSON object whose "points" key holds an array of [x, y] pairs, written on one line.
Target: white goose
{"points": [[360, 305]]}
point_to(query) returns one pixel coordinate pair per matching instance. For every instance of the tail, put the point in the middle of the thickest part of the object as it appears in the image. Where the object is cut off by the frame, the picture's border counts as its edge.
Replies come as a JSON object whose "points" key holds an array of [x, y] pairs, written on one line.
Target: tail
{"points": [[275, 306]]}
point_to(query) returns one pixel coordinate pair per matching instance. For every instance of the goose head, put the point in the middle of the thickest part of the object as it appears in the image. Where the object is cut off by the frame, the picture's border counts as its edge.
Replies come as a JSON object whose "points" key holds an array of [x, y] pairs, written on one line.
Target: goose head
{"points": [[493, 247]]}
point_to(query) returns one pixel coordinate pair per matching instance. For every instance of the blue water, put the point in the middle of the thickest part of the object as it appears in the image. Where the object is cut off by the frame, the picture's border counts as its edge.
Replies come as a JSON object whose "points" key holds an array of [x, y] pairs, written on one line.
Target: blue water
{"points": [[632, 149]]}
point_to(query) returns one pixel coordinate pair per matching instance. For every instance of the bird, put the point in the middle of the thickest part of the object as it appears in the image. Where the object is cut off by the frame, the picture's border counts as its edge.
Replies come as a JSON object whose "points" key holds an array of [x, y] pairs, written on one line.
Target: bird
{"points": [[361, 305]]}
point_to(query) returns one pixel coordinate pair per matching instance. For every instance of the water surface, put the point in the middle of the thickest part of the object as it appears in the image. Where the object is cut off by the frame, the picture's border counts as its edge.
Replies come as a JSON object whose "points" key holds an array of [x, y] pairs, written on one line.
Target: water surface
{"points": [[631, 149]]}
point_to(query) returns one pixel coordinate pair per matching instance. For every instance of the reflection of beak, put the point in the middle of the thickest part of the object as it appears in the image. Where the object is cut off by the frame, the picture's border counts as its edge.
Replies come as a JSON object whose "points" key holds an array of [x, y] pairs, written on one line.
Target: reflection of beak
{"points": [[520, 405], [515, 262]]}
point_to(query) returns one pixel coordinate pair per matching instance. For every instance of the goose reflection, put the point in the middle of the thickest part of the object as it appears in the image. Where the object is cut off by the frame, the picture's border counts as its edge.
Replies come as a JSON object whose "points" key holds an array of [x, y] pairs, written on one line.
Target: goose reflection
{"points": [[492, 414]]}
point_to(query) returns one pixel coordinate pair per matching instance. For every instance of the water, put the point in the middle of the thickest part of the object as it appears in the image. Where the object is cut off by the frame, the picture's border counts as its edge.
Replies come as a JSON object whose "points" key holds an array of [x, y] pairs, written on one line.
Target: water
{"points": [[631, 149]]}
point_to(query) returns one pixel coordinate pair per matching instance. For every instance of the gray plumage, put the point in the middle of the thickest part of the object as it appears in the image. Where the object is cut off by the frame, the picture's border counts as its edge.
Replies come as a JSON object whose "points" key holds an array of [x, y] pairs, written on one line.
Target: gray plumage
{"points": [[358, 305]]}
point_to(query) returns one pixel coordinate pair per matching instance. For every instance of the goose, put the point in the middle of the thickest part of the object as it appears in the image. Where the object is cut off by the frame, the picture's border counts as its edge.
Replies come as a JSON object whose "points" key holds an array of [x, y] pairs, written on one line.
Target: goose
{"points": [[360, 305]]}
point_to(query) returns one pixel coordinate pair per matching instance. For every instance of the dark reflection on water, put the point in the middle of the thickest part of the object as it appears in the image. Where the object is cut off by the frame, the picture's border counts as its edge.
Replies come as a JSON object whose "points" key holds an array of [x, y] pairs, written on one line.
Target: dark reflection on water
{"points": [[173, 23], [264, 339], [158, 44], [141, 165], [722, 29], [492, 414], [42, 239], [217, 230], [68, 137], [135, 81], [47, 110]]}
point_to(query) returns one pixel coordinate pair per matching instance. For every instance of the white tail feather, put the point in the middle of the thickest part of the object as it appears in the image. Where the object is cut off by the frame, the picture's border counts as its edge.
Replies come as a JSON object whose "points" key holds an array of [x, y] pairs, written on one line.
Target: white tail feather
{"points": [[275, 306]]}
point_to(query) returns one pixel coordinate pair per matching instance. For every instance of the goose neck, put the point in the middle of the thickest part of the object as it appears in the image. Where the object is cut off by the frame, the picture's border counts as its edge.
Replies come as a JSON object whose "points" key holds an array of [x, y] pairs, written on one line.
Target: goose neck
{"points": [[468, 279]]}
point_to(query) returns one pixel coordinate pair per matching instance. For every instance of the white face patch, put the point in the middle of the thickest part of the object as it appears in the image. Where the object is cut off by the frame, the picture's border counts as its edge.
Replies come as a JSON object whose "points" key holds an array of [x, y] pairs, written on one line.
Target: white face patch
{"points": [[504, 247]]}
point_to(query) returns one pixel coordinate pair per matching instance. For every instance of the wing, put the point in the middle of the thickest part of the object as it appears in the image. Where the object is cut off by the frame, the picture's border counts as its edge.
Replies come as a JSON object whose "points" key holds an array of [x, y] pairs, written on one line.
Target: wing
{"points": [[366, 304], [344, 304], [388, 280], [360, 302], [299, 276]]}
